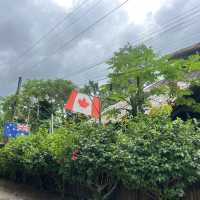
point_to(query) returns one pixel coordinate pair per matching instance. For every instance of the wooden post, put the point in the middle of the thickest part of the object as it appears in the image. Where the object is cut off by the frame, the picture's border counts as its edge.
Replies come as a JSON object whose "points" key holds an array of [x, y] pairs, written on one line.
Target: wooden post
{"points": [[16, 98]]}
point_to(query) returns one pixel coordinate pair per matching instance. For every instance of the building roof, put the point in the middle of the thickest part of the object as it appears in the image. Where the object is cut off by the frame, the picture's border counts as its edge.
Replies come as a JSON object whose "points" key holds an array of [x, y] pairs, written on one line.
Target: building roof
{"points": [[186, 52]]}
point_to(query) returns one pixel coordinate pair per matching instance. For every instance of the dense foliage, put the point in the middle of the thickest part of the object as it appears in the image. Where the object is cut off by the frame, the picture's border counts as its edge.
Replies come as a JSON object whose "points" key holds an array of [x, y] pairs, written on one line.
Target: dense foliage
{"points": [[135, 68], [154, 154], [160, 156], [37, 100], [151, 153]]}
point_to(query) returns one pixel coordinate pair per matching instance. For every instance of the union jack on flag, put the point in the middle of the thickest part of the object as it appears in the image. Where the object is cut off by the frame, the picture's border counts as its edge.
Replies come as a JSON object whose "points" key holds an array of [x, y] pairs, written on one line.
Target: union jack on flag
{"points": [[12, 129], [22, 127]]}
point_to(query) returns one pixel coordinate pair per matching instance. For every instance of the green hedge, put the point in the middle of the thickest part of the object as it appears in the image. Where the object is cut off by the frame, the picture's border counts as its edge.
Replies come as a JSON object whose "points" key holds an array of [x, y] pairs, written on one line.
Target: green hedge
{"points": [[153, 154]]}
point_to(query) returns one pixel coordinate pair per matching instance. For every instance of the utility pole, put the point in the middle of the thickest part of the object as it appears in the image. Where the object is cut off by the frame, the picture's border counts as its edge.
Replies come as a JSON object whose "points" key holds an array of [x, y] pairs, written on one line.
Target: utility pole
{"points": [[14, 106]]}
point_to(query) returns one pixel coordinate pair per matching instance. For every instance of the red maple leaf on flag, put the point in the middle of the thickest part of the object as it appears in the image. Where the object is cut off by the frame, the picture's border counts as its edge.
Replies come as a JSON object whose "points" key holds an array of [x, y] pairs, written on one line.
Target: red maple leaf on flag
{"points": [[83, 103]]}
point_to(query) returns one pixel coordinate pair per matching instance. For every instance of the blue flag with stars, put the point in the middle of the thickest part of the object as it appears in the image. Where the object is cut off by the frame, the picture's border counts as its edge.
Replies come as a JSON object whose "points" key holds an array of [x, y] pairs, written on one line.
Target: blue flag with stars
{"points": [[12, 130]]}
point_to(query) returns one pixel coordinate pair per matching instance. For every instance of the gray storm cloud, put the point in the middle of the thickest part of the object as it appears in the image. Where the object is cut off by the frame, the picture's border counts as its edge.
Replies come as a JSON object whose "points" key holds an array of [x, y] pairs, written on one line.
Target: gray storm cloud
{"points": [[24, 21]]}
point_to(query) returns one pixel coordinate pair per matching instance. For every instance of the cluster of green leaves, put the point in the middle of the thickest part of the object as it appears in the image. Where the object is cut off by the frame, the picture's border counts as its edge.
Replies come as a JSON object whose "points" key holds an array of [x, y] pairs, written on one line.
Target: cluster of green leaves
{"points": [[131, 69], [40, 155], [152, 154], [160, 156], [37, 100], [135, 68]]}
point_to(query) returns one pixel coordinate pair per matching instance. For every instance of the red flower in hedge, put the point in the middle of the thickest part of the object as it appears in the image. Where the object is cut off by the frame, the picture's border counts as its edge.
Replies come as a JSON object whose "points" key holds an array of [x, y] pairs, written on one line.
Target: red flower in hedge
{"points": [[74, 155]]}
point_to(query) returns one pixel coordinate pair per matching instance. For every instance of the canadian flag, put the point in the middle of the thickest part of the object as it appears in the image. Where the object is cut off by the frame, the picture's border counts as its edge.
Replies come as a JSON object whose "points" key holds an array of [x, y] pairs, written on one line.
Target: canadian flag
{"points": [[83, 103]]}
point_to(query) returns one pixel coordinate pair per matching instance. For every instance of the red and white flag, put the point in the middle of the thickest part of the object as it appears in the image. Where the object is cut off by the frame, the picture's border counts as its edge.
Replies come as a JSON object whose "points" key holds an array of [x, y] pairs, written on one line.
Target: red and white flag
{"points": [[83, 103]]}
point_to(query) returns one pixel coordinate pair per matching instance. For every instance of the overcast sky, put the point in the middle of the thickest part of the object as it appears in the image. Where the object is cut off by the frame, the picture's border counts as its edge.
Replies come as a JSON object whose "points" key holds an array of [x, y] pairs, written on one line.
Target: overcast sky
{"points": [[165, 25]]}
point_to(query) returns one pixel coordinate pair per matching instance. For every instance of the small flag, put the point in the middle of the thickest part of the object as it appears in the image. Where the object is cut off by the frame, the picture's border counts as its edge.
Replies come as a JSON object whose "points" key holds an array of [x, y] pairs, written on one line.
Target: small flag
{"points": [[12, 129], [83, 103]]}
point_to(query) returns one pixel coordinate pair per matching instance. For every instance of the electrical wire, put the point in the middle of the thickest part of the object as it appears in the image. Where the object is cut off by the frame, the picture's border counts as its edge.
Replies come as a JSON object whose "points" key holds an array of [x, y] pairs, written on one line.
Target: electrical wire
{"points": [[196, 9], [80, 17], [173, 21], [187, 42], [59, 50], [167, 29], [103, 78], [152, 36], [100, 62], [80, 71], [52, 29]]}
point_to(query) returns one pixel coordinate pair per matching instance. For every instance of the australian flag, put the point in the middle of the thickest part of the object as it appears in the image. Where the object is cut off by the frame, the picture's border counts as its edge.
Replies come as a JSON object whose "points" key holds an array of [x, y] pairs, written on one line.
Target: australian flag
{"points": [[12, 130]]}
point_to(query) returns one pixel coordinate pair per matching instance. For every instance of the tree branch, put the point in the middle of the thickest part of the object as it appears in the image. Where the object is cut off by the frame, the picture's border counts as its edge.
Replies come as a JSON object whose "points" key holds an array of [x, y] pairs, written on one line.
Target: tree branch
{"points": [[111, 191]]}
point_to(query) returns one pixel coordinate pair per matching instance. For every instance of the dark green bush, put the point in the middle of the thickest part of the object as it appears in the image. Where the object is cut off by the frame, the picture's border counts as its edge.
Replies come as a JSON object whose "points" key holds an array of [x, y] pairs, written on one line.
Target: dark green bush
{"points": [[160, 156], [155, 155]]}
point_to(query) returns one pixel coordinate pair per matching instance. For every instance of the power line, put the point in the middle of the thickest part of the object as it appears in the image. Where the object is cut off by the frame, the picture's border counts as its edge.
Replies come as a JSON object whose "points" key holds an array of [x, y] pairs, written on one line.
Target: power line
{"points": [[186, 40], [100, 79], [78, 36], [82, 32], [167, 28], [79, 18], [96, 77], [182, 28], [87, 30], [101, 20], [190, 13], [67, 27], [105, 77], [195, 8], [78, 72], [59, 23]]}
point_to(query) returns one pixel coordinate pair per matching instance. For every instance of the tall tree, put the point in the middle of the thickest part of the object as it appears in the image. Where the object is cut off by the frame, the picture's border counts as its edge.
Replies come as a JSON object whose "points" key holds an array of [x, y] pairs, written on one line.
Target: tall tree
{"points": [[135, 68], [37, 100], [132, 68]]}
